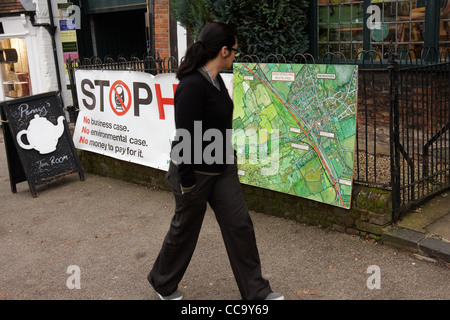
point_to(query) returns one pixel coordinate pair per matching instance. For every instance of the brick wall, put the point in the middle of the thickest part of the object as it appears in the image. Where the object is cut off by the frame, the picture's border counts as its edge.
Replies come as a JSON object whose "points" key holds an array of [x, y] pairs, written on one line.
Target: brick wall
{"points": [[162, 34], [369, 214]]}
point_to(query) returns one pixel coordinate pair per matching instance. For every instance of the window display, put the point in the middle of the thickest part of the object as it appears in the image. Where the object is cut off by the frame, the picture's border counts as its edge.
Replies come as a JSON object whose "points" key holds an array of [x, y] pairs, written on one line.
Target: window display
{"points": [[341, 27], [15, 75], [401, 22]]}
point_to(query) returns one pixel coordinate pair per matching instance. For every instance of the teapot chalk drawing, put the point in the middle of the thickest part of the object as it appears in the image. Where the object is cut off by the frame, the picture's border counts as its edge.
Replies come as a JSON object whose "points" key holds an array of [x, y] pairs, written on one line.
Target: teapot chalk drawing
{"points": [[42, 135]]}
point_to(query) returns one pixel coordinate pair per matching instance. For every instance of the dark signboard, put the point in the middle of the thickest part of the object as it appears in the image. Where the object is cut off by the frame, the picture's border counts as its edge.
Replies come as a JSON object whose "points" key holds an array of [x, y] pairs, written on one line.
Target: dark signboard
{"points": [[39, 147]]}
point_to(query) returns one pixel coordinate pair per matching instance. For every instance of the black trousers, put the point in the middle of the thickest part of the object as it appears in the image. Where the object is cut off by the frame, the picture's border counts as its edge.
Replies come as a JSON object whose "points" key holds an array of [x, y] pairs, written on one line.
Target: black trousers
{"points": [[224, 194]]}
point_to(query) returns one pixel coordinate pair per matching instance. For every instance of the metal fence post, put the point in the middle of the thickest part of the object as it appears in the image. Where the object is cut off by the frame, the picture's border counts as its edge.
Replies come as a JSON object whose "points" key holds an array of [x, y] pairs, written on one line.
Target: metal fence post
{"points": [[394, 132], [73, 110]]}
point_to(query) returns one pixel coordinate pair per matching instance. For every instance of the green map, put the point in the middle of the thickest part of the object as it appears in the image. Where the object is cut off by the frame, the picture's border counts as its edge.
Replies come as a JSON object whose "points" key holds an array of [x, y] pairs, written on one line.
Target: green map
{"points": [[294, 128]]}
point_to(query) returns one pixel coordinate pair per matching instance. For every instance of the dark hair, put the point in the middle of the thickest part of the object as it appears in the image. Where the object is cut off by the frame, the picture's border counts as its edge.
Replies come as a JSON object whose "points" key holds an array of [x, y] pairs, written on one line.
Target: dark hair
{"points": [[213, 37]]}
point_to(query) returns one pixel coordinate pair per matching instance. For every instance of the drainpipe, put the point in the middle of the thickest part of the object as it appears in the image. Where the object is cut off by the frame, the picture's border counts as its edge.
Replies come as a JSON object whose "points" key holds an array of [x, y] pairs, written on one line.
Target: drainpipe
{"points": [[150, 20], [51, 28]]}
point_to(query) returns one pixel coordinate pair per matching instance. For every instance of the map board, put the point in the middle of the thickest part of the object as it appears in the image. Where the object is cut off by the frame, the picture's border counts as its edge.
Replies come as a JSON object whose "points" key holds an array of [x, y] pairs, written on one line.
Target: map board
{"points": [[295, 128]]}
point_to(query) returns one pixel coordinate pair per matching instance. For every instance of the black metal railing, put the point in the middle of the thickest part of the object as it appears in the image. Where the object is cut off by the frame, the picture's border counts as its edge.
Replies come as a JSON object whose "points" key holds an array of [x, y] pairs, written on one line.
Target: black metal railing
{"points": [[403, 115], [147, 64], [420, 130]]}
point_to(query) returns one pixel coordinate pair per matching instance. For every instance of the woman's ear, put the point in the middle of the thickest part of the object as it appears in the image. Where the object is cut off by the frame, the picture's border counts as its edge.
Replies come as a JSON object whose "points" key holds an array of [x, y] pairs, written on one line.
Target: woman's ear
{"points": [[225, 52]]}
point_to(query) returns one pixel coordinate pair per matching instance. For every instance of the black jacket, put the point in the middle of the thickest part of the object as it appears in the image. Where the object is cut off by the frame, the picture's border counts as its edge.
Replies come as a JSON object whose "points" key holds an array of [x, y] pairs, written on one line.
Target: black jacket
{"points": [[203, 119]]}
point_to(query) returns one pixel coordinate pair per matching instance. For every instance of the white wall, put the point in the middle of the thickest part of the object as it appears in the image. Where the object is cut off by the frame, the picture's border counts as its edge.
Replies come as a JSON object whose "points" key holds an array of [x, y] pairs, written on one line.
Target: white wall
{"points": [[42, 13], [182, 41]]}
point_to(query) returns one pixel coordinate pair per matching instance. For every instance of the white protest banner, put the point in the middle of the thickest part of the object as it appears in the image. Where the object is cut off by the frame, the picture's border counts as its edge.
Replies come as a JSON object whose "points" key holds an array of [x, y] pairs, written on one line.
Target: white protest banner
{"points": [[128, 115]]}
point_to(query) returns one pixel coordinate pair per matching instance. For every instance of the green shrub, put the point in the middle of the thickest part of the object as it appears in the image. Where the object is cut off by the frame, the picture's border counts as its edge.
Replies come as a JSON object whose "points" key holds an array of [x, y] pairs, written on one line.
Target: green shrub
{"points": [[264, 27], [191, 14]]}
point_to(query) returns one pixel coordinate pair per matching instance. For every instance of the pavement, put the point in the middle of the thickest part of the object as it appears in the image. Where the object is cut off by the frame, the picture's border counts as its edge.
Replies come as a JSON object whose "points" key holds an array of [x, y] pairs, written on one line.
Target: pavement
{"points": [[97, 240], [424, 230]]}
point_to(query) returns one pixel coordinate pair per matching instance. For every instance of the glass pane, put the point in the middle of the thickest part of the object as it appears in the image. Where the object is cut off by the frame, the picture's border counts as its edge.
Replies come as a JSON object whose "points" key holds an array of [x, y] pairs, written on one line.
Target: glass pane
{"points": [[357, 48], [389, 11], [323, 34], [346, 49], [346, 34], [357, 34], [14, 68], [444, 30], [323, 49], [357, 11], [334, 34], [345, 12], [323, 15], [380, 32]]}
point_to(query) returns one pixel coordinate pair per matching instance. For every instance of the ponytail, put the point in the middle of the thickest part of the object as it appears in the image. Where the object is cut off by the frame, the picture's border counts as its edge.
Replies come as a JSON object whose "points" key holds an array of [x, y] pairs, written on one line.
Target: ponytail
{"points": [[212, 38], [195, 57]]}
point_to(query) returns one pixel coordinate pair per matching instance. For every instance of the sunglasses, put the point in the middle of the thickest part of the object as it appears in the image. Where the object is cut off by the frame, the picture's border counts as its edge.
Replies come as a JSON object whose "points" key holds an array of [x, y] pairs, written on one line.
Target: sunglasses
{"points": [[237, 53]]}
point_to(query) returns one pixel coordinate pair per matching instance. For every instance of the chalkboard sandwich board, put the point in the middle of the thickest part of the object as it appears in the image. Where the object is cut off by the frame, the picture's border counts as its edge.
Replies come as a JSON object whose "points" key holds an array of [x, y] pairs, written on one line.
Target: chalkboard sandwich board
{"points": [[39, 147]]}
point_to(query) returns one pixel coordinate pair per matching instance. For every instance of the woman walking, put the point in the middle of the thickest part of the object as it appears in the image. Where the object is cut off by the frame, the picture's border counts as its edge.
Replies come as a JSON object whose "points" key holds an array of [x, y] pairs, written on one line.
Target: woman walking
{"points": [[199, 174]]}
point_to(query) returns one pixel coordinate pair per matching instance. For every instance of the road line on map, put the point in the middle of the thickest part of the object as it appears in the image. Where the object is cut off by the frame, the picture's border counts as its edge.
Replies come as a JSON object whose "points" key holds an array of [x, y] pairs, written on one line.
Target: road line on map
{"points": [[304, 131]]}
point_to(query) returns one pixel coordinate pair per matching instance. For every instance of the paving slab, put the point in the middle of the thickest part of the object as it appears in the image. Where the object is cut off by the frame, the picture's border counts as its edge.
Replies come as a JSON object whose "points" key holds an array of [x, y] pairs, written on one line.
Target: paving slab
{"points": [[435, 248], [426, 229], [402, 238], [441, 227]]}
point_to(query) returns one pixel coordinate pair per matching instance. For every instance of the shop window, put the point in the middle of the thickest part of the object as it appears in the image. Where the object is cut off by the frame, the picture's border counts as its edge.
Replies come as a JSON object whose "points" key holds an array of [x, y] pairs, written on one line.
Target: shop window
{"points": [[341, 27], [15, 73], [408, 23], [402, 22], [444, 30]]}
